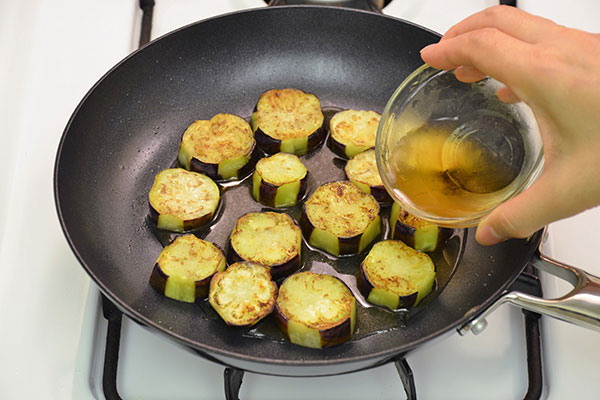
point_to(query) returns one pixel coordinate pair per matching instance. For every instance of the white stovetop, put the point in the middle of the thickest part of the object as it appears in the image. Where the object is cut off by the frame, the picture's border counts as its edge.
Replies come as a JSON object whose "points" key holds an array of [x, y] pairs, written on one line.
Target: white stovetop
{"points": [[53, 52]]}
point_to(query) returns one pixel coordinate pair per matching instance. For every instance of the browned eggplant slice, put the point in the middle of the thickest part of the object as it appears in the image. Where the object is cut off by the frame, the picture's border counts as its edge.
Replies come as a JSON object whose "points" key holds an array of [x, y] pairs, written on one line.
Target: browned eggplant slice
{"points": [[315, 310], [243, 294], [395, 275], [181, 200], [340, 219], [416, 232], [353, 131], [288, 120], [362, 171], [221, 147], [185, 267], [268, 238], [280, 180]]}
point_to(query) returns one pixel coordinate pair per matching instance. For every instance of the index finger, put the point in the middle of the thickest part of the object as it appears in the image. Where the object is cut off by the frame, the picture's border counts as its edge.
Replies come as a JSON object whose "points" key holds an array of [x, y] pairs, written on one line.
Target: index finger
{"points": [[488, 50], [510, 20]]}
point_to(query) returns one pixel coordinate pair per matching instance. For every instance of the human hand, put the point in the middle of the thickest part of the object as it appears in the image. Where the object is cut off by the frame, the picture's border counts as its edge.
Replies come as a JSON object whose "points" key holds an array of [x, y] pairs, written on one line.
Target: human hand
{"points": [[556, 71]]}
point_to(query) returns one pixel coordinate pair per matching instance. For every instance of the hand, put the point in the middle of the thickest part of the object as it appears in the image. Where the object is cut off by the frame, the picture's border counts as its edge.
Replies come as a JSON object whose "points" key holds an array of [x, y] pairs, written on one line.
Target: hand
{"points": [[556, 71]]}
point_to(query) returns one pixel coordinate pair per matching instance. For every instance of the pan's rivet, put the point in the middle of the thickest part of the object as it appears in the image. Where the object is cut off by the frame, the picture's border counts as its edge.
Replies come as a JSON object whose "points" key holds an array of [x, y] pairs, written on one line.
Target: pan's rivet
{"points": [[478, 326]]}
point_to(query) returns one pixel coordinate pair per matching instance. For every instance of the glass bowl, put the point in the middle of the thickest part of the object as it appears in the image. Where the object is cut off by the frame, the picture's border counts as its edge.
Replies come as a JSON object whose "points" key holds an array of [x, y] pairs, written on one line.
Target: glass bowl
{"points": [[450, 152]]}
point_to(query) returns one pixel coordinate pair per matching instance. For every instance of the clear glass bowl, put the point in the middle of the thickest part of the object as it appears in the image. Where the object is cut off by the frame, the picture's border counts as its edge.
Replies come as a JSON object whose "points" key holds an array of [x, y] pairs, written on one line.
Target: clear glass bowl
{"points": [[450, 152]]}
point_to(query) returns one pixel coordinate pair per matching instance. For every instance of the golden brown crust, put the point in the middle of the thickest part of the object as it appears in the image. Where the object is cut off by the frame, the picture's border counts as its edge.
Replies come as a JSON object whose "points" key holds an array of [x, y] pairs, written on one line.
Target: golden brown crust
{"points": [[267, 238], [411, 220], [315, 300], [395, 275], [223, 137], [281, 168], [184, 194], [362, 168], [341, 209], [397, 268], [355, 127], [243, 294], [189, 257], [288, 113]]}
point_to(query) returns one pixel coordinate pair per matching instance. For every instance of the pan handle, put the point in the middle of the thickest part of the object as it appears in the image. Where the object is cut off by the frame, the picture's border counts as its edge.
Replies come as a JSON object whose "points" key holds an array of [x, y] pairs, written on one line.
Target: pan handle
{"points": [[581, 306]]}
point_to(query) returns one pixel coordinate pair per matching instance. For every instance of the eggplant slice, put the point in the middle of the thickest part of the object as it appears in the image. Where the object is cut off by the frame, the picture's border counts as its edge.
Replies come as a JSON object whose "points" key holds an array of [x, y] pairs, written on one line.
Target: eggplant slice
{"points": [[280, 180], [288, 120], [185, 267], [221, 147], [416, 232], [182, 200], [268, 238], [353, 131], [362, 171], [243, 294], [315, 310], [340, 219], [395, 275]]}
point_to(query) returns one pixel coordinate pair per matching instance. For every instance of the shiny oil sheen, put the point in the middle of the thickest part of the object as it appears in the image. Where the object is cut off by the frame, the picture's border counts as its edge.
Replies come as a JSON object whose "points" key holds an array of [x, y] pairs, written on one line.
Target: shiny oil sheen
{"points": [[323, 166]]}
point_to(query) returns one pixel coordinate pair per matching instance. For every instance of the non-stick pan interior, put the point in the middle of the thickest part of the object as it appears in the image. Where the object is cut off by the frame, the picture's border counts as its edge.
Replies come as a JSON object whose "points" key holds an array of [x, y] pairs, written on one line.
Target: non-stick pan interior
{"points": [[129, 125]]}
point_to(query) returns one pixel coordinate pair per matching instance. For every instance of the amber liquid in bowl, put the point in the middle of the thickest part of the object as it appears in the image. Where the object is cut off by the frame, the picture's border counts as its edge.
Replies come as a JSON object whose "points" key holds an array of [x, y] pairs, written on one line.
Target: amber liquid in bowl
{"points": [[448, 178]]}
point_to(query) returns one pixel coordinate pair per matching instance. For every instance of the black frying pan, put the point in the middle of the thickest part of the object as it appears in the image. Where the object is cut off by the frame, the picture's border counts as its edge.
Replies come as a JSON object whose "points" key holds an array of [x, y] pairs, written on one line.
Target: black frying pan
{"points": [[128, 128]]}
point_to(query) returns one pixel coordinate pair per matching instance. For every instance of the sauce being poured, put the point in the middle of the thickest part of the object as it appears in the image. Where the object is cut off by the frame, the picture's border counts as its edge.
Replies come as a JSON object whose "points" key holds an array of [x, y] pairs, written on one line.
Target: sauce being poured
{"points": [[451, 170]]}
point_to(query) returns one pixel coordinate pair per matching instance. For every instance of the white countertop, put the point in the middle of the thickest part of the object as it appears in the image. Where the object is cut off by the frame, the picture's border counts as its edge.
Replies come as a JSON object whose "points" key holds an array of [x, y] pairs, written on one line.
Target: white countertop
{"points": [[53, 52]]}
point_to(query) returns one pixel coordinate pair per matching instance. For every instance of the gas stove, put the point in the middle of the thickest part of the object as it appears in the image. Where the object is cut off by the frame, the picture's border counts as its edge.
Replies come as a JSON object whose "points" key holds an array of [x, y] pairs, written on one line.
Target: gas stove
{"points": [[52, 326]]}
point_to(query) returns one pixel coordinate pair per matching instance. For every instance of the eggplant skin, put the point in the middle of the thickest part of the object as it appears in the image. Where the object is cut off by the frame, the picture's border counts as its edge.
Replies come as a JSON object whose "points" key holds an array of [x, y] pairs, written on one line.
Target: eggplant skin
{"points": [[158, 280], [415, 232], [279, 181], [185, 267], [278, 271], [340, 219], [337, 148], [352, 132], [236, 169], [362, 171], [381, 195], [267, 238], [288, 120], [264, 192], [315, 310], [383, 298], [221, 147], [395, 275], [177, 224], [243, 294], [182, 200], [299, 146]]}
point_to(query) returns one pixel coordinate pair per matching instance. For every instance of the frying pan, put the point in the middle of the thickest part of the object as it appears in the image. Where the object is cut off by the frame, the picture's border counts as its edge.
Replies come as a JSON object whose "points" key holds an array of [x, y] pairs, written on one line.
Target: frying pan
{"points": [[128, 127]]}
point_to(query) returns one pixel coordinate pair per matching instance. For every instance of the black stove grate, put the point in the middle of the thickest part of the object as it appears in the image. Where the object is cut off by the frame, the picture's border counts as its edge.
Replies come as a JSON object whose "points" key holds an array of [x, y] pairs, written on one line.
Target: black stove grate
{"points": [[147, 7], [528, 282]]}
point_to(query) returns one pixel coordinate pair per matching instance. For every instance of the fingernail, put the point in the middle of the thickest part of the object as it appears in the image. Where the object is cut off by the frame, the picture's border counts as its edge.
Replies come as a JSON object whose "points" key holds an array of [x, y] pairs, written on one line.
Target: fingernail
{"points": [[487, 236], [424, 49]]}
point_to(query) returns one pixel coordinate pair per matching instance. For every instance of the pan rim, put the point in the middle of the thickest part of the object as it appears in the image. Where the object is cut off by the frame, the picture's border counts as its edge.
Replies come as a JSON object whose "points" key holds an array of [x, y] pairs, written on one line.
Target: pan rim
{"points": [[144, 320]]}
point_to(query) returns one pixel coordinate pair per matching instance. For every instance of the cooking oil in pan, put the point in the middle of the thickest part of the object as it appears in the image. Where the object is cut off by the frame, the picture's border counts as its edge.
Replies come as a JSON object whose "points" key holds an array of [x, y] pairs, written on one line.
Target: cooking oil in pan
{"points": [[324, 165]]}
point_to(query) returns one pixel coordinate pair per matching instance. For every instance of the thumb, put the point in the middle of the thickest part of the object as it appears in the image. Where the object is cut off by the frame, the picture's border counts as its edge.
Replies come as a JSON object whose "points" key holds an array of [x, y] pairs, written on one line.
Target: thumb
{"points": [[522, 215]]}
